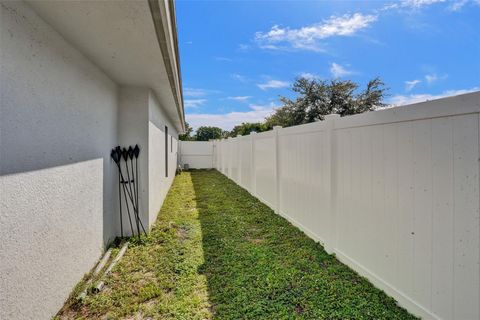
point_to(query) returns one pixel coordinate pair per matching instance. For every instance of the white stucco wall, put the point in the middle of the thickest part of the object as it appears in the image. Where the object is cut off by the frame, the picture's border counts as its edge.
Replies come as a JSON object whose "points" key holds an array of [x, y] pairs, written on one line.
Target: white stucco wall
{"points": [[158, 182], [60, 116], [133, 129], [58, 121], [142, 121]]}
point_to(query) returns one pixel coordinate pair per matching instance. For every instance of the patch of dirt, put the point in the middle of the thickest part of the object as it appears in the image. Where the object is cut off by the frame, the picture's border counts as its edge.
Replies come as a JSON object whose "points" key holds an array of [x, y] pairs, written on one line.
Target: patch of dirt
{"points": [[256, 240], [149, 304], [137, 316], [299, 309], [182, 233], [212, 309]]}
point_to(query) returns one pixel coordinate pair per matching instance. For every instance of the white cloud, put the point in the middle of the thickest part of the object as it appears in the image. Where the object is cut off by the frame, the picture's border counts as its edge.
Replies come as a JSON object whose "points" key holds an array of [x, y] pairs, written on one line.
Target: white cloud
{"points": [[243, 47], [239, 98], [431, 78], [239, 77], [453, 5], [228, 120], [273, 84], [400, 100], [338, 71], [309, 76], [409, 85], [261, 107], [192, 92], [224, 59], [411, 4], [307, 38], [419, 3], [193, 103], [197, 92], [457, 5]]}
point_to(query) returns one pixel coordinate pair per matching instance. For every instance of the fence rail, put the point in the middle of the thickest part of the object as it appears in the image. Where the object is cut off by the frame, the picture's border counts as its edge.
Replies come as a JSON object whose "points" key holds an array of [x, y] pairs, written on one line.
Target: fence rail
{"points": [[393, 193]]}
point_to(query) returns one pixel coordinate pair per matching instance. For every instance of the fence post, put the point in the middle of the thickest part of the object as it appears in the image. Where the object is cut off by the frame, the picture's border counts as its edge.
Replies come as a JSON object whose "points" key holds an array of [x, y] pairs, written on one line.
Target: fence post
{"points": [[224, 153], [229, 166], [220, 151], [217, 154], [214, 154], [276, 130], [239, 156], [253, 174], [330, 241]]}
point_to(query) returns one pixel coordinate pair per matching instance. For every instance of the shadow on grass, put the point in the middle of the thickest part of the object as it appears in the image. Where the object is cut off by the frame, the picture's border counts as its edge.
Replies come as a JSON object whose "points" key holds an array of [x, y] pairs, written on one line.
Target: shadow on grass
{"points": [[259, 266]]}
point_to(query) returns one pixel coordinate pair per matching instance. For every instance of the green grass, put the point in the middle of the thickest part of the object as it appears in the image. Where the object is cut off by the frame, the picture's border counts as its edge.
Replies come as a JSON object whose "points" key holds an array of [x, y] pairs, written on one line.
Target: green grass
{"points": [[216, 252]]}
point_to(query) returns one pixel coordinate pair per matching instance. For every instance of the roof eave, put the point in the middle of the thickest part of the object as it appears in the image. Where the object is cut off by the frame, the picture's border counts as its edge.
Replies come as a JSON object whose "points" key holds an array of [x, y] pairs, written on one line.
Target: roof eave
{"points": [[163, 11]]}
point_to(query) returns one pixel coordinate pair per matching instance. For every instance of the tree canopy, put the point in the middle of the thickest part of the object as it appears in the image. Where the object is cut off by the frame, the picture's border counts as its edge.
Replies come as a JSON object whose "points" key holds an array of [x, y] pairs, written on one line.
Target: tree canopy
{"points": [[247, 127], [187, 136], [315, 99], [205, 133], [318, 98]]}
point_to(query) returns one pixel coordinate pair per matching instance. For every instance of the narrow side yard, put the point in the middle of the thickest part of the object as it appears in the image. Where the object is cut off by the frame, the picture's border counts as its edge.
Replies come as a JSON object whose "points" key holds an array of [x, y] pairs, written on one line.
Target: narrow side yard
{"points": [[216, 252]]}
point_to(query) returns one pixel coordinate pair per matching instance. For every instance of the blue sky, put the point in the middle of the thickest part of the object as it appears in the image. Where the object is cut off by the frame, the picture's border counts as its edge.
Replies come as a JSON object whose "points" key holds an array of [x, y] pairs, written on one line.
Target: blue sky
{"points": [[238, 57]]}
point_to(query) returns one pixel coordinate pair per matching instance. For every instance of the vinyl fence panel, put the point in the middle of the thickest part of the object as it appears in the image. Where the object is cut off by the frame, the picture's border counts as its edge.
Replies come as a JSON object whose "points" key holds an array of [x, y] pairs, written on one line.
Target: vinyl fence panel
{"points": [[197, 154], [265, 180], [245, 158], [393, 193], [304, 189]]}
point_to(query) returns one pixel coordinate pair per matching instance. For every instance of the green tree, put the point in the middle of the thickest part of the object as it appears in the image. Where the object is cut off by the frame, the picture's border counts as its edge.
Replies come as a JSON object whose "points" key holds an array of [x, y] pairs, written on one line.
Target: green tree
{"points": [[318, 98], [206, 133], [247, 127], [187, 136], [282, 116]]}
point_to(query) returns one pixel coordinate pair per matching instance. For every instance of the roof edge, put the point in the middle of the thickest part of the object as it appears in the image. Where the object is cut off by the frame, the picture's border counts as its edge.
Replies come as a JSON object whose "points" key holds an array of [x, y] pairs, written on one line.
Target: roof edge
{"points": [[164, 21]]}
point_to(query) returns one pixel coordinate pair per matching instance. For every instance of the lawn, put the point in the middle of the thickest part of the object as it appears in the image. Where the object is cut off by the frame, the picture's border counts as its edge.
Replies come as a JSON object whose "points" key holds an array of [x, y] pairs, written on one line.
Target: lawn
{"points": [[216, 252]]}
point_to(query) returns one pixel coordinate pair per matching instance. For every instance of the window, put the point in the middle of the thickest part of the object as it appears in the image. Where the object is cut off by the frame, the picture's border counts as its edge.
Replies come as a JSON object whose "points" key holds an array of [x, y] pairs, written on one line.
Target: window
{"points": [[166, 151]]}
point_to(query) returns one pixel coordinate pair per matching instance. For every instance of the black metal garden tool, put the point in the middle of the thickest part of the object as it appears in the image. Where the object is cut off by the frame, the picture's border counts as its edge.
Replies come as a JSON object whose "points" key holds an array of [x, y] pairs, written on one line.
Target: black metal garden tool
{"points": [[129, 184], [125, 155], [131, 154], [136, 153], [132, 190], [116, 158]]}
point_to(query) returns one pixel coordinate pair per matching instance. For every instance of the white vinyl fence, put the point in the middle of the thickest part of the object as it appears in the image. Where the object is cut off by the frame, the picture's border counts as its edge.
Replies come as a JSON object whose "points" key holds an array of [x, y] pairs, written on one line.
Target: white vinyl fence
{"points": [[393, 193], [197, 154]]}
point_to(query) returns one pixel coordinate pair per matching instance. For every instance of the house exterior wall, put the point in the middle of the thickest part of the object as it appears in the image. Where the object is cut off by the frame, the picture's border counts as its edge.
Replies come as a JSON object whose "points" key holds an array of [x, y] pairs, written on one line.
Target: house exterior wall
{"points": [[142, 121], [58, 122], [133, 129], [159, 183], [60, 116]]}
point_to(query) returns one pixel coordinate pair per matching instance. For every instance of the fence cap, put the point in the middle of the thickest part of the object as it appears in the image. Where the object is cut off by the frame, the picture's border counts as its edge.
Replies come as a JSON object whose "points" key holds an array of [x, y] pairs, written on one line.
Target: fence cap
{"points": [[332, 116], [277, 127]]}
